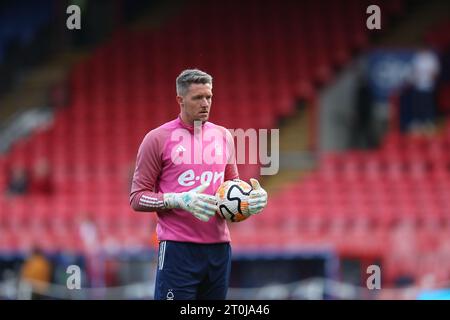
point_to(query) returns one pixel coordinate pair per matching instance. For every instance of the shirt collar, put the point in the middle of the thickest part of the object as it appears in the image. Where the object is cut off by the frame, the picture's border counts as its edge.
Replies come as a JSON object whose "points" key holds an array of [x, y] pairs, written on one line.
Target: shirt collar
{"points": [[188, 126]]}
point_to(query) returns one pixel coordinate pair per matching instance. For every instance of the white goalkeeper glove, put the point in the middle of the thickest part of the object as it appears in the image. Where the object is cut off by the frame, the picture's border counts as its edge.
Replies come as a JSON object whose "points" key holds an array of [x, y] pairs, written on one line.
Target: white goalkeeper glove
{"points": [[202, 206], [258, 198]]}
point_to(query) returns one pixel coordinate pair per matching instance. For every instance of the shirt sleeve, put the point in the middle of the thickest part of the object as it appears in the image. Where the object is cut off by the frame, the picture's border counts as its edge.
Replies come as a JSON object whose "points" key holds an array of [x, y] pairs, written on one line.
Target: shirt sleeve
{"points": [[231, 170], [148, 167]]}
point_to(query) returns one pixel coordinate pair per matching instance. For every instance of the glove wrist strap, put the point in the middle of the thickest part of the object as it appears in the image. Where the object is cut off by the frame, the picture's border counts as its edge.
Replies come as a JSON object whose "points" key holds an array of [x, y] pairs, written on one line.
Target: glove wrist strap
{"points": [[170, 200]]}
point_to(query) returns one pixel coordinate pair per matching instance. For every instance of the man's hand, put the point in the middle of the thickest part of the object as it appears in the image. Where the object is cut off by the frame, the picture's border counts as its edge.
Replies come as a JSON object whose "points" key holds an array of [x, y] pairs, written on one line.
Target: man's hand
{"points": [[258, 198], [202, 206]]}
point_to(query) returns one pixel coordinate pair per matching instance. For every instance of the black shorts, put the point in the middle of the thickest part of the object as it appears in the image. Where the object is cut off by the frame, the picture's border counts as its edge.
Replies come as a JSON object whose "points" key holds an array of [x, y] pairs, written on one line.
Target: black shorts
{"points": [[192, 271]]}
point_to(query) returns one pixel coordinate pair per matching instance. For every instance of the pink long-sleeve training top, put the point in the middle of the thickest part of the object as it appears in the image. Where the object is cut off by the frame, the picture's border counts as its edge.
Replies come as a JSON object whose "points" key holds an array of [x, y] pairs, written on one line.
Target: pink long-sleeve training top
{"points": [[176, 157]]}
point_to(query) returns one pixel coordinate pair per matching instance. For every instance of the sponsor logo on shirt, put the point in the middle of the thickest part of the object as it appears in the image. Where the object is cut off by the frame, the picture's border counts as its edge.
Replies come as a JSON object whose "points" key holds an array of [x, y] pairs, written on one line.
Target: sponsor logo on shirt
{"points": [[188, 178]]}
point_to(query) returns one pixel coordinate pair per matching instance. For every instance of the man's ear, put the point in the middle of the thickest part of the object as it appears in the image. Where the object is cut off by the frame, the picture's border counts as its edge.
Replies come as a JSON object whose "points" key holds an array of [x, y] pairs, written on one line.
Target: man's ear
{"points": [[180, 100]]}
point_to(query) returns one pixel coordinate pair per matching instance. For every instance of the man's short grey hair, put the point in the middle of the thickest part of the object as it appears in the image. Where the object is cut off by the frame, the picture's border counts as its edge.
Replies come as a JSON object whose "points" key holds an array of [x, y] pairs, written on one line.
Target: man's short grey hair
{"points": [[190, 76]]}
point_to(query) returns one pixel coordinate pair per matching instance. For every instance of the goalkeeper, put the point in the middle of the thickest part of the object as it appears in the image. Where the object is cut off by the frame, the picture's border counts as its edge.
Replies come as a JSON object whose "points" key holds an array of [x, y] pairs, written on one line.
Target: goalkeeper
{"points": [[194, 258]]}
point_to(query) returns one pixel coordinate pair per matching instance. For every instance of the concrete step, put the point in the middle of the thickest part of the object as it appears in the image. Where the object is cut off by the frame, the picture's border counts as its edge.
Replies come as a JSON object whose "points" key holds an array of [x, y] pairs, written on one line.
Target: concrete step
{"points": [[294, 132], [33, 89], [273, 184], [295, 158]]}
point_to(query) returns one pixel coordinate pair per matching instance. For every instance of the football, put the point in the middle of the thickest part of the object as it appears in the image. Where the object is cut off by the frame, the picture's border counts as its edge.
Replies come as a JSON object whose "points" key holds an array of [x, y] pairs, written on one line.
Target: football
{"points": [[232, 200]]}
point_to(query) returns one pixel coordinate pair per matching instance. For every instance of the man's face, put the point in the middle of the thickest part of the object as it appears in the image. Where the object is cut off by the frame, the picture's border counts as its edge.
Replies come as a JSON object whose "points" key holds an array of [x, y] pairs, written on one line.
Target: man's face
{"points": [[196, 104]]}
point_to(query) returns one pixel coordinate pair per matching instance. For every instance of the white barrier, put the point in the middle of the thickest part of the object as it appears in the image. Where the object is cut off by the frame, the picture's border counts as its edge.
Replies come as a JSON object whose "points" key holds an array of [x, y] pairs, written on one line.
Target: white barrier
{"points": [[309, 289]]}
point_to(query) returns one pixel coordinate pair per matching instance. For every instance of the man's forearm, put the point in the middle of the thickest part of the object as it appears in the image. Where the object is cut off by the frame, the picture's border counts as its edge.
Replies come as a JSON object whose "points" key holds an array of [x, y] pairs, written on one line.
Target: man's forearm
{"points": [[147, 201]]}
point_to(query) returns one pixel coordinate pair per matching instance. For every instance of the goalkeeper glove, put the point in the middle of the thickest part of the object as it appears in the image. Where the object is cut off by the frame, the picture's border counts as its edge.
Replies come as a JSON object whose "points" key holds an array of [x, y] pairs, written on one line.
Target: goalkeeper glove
{"points": [[258, 198], [202, 206]]}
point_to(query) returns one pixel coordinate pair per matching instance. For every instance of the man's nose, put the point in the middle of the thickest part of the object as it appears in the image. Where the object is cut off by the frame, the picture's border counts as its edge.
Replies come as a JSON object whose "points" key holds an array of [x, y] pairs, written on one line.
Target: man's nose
{"points": [[205, 102]]}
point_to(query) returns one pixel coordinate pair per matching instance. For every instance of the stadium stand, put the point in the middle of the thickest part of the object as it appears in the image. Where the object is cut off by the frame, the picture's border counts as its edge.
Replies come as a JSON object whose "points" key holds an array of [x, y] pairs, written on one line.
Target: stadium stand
{"points": [[113, 104], [262, 58]]}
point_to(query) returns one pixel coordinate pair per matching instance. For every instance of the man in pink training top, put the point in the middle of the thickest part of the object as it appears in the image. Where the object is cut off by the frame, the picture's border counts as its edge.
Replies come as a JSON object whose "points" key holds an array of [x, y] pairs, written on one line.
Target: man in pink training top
{"points": [[179, 167]]}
